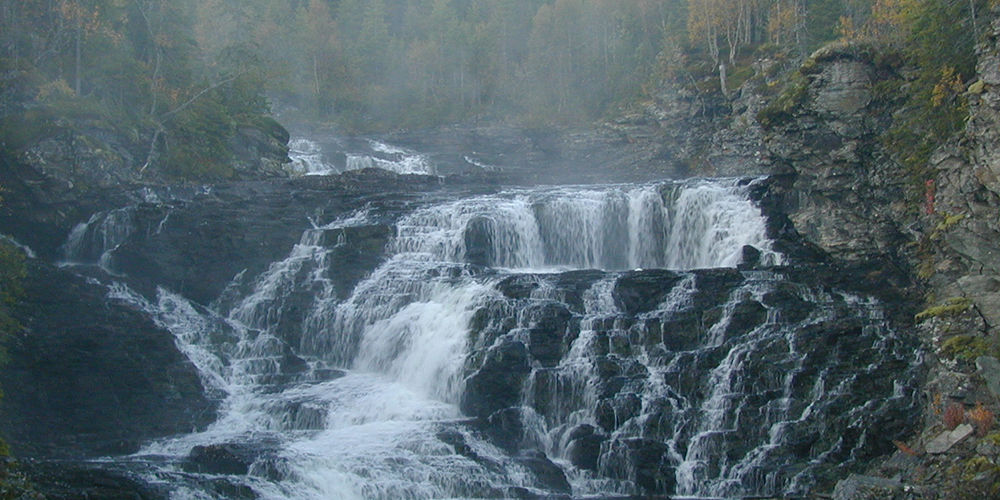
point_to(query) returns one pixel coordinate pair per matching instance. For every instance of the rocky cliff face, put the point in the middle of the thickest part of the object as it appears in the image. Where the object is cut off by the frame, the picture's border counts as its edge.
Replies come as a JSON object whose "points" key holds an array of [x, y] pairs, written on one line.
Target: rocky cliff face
{"points": [[60, 169], [91, 376], [843, 191], [965, 226], [847, 195]]}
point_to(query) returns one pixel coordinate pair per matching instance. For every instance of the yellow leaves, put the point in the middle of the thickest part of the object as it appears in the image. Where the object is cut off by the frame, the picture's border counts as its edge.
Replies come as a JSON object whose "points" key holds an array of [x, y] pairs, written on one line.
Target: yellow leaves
{"points": [[949, 86], [54, 91], [888, 23], [847, 30], [73, 11], [784, 18]]}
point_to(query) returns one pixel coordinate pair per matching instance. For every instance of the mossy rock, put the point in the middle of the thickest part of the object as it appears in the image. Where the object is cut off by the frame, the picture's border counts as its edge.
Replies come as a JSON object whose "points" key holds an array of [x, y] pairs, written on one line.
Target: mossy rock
{"points": [[948, 309], [783, 108], [968, 348], [857, 51]]}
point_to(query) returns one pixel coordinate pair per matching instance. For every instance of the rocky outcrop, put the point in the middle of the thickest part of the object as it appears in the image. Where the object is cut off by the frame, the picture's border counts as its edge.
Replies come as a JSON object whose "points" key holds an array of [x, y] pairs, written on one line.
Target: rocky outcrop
{"points": [[843, 192], [646, 369], [89, 376], [58, 167], [964, 228]]}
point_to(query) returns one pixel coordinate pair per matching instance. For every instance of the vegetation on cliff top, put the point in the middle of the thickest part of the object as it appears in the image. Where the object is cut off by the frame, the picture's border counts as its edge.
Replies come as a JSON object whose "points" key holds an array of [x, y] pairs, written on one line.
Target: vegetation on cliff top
{"points": [[181, 76], [129, 68]]}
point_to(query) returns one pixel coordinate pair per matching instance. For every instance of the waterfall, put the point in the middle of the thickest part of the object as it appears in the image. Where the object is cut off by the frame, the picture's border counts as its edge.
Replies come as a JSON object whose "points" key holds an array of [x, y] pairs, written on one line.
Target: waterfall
{"points": [[583, 340], [94, 241], [28, 252], [677, 226], [309, 157]]}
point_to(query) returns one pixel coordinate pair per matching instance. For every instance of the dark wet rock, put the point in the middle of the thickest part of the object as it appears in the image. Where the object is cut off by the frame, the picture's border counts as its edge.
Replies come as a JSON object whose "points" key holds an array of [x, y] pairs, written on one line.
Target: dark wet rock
{"points": [[226, 458], [746, 316], [611, 413], [584, 449], [749, 257], [479, 241], [681, 332], [641, 291], [647, 464], [82, 481], [459, 443], [89, 376], [548, 327], [547, 474], [497, 384], [793, 308], [506, 429]]}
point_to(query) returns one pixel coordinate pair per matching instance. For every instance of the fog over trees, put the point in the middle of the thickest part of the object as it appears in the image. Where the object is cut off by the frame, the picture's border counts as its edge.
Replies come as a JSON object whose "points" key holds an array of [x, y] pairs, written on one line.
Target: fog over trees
{"points": [[182, 67]]}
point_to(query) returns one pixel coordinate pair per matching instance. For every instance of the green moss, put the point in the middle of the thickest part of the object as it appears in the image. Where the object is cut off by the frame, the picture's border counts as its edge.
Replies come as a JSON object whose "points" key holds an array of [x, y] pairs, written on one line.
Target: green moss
{"points": [[20, 131], [738, 77], [950, 308], [783, 108], [993, 438], [888, 92], [978, 465], [948, 222], [967, 348]]}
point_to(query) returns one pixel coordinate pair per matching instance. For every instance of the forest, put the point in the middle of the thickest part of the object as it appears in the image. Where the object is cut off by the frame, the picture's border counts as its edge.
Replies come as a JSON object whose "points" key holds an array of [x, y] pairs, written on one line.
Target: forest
{"points": [[383, 64]]}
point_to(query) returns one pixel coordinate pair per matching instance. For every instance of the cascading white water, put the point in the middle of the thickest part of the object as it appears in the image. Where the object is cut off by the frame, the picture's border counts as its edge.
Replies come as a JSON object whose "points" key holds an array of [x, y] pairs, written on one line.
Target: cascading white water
{"points": [[392, 159], [683, 226], [307, 158], [355, 393], [94, 241]]}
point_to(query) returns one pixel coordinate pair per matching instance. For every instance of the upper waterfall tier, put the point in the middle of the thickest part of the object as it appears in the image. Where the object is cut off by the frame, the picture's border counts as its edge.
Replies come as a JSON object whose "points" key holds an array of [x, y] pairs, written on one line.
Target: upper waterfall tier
{"points": [[698, 224]]}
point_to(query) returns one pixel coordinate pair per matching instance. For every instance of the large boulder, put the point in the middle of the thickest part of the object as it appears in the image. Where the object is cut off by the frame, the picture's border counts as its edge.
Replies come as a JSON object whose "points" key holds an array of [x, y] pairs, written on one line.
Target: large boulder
{"points": [[89, 376]]}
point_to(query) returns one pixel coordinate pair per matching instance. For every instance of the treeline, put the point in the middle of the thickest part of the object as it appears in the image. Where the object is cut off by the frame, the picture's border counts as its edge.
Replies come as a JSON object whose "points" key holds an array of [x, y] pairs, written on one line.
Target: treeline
{"points": [[184, 73], [400, 63], [131, 65], [378, 64]]}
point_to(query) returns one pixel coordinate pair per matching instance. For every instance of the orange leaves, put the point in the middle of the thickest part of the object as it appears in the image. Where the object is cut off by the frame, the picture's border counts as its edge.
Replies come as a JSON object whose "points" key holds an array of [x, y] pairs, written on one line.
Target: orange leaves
{"points": [[981, 419], [954, 415]]}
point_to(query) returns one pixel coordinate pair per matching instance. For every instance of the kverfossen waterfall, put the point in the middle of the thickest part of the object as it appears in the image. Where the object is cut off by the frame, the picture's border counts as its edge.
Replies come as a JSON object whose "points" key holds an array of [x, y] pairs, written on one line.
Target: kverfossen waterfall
{"points": [[574, 341]]}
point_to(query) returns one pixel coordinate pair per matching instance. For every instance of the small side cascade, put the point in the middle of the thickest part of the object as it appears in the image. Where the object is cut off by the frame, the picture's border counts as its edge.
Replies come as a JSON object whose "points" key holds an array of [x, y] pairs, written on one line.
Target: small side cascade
{"points": [[94, 241], [28, 252], [307, 158]]}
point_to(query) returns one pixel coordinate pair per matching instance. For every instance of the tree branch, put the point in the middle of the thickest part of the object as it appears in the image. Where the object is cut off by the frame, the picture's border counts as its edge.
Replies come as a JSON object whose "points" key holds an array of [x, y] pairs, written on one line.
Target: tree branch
{"points": [[162, 119]]}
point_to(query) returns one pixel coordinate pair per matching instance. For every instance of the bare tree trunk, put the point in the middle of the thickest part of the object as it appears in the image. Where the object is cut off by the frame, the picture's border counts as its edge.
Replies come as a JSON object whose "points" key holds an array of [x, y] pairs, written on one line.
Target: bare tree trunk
{"points": [[157, 59], [79, 34], [316, 76], [722, 79], [975, 28]]}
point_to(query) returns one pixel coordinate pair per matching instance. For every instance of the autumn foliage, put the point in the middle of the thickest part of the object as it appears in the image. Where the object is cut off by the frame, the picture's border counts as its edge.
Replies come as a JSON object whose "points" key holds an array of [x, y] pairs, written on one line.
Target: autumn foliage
{"points": [[982, 419]]}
